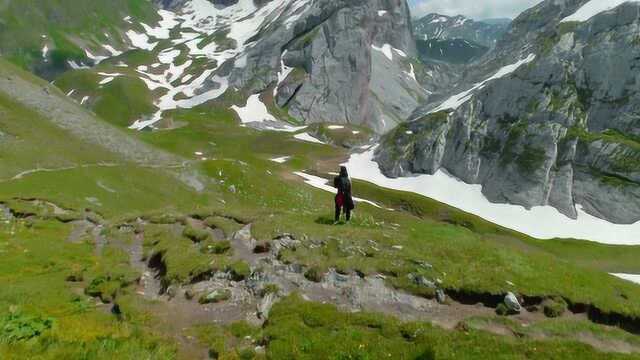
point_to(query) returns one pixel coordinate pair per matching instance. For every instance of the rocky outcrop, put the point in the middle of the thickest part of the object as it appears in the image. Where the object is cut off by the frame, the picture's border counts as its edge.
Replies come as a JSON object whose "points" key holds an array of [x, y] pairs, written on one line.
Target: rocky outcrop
{"points": [[348, 61], [562, 130]]}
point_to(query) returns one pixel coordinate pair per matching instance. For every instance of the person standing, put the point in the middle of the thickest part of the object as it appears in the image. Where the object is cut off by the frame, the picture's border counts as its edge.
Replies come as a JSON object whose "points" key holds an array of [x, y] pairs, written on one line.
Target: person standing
{"points": [[343, 200]]}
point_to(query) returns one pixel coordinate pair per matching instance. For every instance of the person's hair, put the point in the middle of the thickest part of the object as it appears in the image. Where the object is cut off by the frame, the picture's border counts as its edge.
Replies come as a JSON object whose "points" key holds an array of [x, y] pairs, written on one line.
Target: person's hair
{"points": [[343, 172]]}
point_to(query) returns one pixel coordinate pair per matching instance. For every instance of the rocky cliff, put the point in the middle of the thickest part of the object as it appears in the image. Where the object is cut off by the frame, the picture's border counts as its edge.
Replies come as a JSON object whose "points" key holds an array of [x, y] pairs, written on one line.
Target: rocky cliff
{"points": [[550, 117], [339, 61]]}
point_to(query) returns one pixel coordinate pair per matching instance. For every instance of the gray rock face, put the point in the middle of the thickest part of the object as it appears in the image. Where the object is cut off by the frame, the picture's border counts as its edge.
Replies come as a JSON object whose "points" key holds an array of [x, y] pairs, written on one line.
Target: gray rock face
{"points": [[563, 130], [338, 75]]}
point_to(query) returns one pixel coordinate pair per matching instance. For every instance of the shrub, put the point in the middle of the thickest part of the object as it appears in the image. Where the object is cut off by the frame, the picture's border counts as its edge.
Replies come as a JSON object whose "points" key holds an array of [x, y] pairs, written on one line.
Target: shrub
{"points": [[554, 307], [105, 287], [239, 270], [502, 310], [217, 247], [195, 234], [19, 327], [313, 274]]}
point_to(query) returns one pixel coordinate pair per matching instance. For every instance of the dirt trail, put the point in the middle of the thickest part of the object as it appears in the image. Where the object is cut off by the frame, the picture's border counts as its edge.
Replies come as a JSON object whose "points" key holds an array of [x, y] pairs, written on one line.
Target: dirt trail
{"points": [[349, 292]]}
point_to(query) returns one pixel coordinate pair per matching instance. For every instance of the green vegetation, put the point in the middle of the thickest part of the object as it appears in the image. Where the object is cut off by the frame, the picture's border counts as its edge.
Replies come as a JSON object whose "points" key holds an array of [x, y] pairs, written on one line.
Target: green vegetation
{"points": [[48, 276], [121, 101], [304, 329], [181, 257], [313, 274], [547, 41], [195, 234], [42, 316], [68, 27], [17, 326], [239, 270], [530, 159], [554, 307]]}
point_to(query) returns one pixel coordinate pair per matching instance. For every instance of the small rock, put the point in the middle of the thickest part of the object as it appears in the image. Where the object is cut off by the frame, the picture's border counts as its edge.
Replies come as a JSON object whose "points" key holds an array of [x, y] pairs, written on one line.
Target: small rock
{"points": [[232, 189], [171, 292], [265, 305], [512, 303], [422, 281], [216, 296]]}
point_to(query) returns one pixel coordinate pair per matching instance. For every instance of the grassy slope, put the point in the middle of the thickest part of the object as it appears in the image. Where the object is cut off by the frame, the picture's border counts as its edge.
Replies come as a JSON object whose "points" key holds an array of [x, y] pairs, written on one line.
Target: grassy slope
{"points": [[474, 255], [66, 24], [79, 329], [121, 101]]}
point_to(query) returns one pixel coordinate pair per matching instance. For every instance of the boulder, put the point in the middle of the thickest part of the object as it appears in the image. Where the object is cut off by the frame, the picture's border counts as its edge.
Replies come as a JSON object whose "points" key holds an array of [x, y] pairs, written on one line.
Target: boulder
{"points": [[512, 303], [422, 281], [215, 296], [441, 297]]}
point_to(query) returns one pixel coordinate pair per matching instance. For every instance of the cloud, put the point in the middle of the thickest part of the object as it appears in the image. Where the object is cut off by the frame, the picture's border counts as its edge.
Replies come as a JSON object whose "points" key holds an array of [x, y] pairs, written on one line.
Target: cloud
{"points": [[476, 9]]}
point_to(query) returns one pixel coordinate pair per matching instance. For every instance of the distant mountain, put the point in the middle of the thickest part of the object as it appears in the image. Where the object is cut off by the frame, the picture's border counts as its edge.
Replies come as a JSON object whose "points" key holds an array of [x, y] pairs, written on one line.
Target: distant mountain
{"points": [[455, 51], [497, 21], [442, 27]]}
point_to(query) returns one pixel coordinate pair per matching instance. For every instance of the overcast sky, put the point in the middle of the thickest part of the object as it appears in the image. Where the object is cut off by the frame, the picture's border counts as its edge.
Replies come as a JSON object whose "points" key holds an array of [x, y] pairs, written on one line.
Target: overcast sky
{"points": [[475, 9]]}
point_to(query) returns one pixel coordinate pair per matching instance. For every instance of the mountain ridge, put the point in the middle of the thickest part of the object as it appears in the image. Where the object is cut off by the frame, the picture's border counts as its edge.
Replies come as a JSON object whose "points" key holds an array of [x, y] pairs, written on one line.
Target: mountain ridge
{"points": [[535, 138]]}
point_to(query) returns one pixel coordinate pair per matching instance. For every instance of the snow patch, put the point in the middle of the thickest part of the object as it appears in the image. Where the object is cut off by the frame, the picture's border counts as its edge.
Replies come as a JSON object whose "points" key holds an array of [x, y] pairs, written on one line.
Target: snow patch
{"points": [[281, 160], [385, 49], [544, 222], [140, 41], [96, 58], [593, 8], [439, 20], [335, 127], [308, 138], [75, 66], [282, 74], [112, 50], [412, 73], [629, 277], [254, 111]]}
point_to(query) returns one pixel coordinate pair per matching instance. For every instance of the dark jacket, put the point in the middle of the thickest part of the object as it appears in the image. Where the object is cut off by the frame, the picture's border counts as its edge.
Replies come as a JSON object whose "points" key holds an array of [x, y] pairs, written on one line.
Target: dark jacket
{"points": [[343, 184]]}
